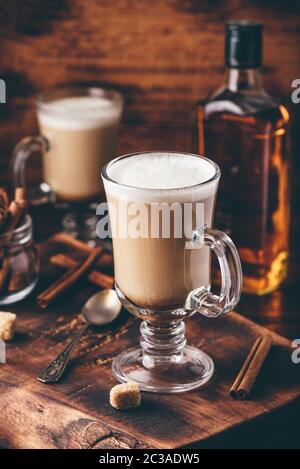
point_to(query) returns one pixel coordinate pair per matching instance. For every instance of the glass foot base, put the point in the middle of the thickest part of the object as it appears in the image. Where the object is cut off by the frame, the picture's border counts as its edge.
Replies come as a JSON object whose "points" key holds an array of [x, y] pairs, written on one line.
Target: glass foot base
{"points": [[81, 226], [193, 369]]}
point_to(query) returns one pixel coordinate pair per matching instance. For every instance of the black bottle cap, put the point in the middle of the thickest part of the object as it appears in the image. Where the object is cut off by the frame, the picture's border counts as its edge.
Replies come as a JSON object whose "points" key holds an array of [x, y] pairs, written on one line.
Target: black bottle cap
{"points": [[243, 45]]}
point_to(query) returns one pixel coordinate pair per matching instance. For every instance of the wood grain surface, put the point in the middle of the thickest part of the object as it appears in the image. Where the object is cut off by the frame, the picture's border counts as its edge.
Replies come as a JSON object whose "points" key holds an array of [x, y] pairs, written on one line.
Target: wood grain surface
{"points": [[75, 413]]}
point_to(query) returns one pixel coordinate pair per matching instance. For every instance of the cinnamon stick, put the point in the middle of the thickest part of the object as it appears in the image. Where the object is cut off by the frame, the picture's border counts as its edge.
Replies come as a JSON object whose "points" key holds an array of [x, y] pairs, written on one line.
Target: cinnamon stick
{"points": [[18, 281], [105, 260], [97, 278], [64, 238], [4, 203], [68, 279], [14, 214], [20, 196], [12, 217], [16, 210], [4, 273], [80, 246], [246, 378]]}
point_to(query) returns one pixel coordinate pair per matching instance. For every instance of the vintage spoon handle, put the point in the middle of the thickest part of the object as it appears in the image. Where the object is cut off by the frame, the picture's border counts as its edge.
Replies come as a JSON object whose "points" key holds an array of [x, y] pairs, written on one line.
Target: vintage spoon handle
{"points": [[55, 370]]}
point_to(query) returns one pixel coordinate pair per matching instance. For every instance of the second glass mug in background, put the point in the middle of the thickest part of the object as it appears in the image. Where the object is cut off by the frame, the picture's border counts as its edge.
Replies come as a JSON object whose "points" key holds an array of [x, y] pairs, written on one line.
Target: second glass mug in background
{"points": [[79, 129], [153, 284]]}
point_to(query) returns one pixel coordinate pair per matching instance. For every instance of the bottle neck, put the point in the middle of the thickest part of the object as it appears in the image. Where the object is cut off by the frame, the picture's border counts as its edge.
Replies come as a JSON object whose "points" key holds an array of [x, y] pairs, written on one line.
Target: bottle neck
{"points": [[239, 80]]}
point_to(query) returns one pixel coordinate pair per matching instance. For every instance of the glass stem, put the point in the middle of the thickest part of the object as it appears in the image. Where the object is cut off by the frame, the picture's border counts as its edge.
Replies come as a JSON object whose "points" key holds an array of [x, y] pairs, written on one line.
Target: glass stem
{"points": [[162, 343], [80, 224]]}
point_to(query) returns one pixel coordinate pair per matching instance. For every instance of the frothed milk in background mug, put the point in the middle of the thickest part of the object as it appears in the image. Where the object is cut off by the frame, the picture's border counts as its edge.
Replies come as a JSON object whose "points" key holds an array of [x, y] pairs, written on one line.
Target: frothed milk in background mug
{"points": [[79, 132], [82, 135]]}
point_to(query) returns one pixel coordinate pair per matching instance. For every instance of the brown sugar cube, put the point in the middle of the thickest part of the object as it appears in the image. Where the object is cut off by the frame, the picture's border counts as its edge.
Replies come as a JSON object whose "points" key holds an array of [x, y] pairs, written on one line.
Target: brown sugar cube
{"points": [[7, 325], [125, 396]]}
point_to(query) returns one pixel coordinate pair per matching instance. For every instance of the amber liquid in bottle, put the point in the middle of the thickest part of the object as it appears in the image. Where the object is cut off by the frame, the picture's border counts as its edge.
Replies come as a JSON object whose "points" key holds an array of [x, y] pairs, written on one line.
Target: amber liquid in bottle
{"points": [[246, 133]]}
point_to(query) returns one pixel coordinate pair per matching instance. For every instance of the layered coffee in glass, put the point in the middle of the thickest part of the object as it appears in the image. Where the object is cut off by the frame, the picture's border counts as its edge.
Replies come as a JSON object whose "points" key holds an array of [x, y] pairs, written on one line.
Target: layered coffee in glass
{"points": [[161, 209]]}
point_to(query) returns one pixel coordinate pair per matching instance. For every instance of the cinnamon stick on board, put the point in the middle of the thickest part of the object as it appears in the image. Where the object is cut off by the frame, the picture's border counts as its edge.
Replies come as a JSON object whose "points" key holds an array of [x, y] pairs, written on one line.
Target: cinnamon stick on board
{"points": [[97, 278], [68, 279], [246, 378], [80, 246]]}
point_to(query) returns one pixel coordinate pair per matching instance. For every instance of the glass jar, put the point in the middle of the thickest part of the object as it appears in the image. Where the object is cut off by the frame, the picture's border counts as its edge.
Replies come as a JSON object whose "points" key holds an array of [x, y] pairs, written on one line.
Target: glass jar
{"points": [[19, 263]]}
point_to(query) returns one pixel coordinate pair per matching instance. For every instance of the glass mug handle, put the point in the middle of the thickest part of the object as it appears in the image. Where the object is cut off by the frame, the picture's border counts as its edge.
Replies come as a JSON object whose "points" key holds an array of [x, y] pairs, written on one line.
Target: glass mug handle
{"points": [[201, 299], [25, 148]]}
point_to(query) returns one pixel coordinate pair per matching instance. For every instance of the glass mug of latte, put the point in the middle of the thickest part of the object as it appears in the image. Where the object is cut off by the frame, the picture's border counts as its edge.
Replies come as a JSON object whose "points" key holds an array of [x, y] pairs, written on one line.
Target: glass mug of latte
{"points": [[78, 135], [161, 211]]}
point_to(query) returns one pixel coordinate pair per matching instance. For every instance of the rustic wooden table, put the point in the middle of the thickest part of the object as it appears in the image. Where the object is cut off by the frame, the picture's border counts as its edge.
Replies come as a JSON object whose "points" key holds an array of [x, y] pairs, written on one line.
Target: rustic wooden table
{"points": [[83, 417]]}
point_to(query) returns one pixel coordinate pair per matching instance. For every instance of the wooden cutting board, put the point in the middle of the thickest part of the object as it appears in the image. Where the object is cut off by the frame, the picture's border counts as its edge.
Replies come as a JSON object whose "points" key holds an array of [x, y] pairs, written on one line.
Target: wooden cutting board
{"points": [[75, 413]]}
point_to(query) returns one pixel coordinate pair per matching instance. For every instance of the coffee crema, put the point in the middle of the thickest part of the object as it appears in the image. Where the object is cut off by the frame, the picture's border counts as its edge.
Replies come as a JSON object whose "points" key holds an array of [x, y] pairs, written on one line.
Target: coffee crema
{"points": [[158, 273], [82, 134]]}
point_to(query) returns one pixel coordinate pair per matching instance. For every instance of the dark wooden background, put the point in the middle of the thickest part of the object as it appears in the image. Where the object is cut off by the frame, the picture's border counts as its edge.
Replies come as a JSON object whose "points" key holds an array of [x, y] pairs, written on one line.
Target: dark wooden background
{"points": [[162, 55]]}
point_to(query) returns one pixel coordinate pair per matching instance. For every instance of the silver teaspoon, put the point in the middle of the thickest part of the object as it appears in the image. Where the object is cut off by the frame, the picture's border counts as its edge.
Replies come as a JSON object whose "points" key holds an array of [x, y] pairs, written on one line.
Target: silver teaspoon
{"points": [[102, 308]]}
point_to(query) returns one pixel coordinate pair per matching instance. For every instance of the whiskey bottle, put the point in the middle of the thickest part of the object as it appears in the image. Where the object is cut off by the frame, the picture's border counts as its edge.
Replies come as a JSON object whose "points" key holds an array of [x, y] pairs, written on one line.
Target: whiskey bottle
{"points": [[245, 131]]}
